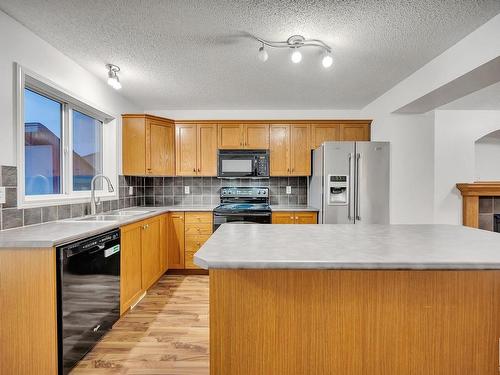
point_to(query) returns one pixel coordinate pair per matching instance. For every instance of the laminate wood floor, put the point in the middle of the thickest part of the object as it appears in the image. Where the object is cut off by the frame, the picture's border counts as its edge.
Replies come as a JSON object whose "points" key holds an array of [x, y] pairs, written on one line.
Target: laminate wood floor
{"points": [[166, 333]]}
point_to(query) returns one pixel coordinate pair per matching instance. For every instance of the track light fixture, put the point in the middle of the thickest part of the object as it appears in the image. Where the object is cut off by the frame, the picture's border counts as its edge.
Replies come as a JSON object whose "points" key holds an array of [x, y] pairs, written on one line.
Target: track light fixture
{"points": [[113, 79], [295, 42]]}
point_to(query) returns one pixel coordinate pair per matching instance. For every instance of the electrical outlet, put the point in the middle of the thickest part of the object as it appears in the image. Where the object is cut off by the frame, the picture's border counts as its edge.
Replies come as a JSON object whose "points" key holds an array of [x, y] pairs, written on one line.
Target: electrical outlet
{"points": [[130, 190], [289, 190], [2, 194], [186, 190]]}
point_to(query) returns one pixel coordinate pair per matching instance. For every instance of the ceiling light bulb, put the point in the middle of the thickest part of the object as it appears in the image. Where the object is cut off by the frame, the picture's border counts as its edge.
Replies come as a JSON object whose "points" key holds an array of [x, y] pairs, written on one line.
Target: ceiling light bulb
{"points": [[327, 60], [296, 56], [262, 55], [113, 79]]}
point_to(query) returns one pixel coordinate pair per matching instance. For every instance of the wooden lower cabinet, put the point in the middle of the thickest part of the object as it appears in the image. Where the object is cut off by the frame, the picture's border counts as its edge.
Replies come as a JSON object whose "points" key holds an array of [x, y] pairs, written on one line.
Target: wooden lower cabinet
{"points": [[143, 254], [295, 217], [176, 240], [198, 228]]}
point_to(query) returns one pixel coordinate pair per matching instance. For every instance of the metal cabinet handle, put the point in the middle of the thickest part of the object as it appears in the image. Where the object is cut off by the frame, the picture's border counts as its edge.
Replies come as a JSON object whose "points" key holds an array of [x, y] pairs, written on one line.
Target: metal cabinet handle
{"points": [[358, 195], [199, 244], [349, 217]]}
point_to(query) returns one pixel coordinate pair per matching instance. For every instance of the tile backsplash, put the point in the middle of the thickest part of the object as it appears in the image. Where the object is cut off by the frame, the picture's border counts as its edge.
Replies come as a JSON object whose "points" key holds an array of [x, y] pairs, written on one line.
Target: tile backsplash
{"points": [[488, 207], [146, 191]]}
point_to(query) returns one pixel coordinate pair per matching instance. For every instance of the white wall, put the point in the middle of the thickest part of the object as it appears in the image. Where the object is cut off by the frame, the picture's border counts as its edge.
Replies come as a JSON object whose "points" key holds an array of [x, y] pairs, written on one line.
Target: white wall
{"points": [[222, 114], [20, 45], [487, 159], [455, 134]]}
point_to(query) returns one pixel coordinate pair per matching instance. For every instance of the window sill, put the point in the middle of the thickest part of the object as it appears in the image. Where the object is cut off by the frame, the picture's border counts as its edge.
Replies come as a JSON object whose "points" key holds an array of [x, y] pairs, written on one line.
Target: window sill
{"points": [[59, 201]]}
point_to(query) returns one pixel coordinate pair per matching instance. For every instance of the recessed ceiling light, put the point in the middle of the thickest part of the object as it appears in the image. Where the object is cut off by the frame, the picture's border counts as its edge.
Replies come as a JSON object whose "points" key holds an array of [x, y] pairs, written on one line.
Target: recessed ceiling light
{"points": [[327, 60], [296, 56]]}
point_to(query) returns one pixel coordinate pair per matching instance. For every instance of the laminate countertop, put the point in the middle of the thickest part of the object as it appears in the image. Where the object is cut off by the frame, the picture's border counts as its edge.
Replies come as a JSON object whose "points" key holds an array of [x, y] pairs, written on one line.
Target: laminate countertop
{"points": [[59, 232], [278, 208], [345, 246]]}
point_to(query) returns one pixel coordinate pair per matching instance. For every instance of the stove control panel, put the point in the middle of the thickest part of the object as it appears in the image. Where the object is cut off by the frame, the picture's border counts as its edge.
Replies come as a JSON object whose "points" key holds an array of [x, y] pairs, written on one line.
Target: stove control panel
{"points": [[244, 192]]}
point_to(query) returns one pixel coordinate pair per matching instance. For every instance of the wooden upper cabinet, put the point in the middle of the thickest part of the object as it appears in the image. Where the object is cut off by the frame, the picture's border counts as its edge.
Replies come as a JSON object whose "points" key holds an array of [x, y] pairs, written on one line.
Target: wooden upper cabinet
{"points": [[160, 153], [231, 136], [279, 149], [185, 149], [256, 136], [300, 151], [148, 145], [207, 150], [324, 132], [134, 144], [355, 132]]}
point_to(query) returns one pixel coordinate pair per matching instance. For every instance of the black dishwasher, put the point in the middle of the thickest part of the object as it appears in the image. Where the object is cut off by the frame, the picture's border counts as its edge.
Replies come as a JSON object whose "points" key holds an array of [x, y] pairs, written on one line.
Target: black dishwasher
{"points": [[88, 295]]}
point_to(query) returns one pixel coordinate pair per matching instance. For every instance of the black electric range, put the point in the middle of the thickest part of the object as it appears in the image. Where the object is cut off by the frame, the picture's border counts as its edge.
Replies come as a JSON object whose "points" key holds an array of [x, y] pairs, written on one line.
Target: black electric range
{"points": [[243, 205]]}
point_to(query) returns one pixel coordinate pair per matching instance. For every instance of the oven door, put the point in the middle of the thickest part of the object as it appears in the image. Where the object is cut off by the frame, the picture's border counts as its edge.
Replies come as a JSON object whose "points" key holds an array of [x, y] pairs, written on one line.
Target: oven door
{"points": [[237, 165], [243, 218]]}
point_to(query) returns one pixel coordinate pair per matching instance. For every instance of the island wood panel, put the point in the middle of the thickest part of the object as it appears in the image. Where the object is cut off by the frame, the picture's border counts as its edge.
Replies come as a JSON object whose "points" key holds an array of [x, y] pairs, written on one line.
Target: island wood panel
{"points": [[256, 136], [176, 240], [186, 149], [207, 150], [134, 145], [160, 154], [28, 311], [354, 322]]}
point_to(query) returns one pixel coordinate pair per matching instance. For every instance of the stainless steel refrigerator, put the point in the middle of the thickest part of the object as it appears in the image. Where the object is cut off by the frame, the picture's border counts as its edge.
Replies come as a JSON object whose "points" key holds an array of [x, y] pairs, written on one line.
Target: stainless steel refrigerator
{"points": [[350, 182]]}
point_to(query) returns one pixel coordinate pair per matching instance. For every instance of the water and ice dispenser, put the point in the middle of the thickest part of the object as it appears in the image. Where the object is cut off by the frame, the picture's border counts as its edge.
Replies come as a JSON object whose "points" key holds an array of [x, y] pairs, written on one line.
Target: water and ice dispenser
{"points": [[338, 190]]}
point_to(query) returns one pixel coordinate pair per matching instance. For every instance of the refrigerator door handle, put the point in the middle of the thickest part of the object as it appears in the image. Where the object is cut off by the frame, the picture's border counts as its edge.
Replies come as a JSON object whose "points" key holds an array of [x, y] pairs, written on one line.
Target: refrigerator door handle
{"points": [[349, 217], [358, 202]]}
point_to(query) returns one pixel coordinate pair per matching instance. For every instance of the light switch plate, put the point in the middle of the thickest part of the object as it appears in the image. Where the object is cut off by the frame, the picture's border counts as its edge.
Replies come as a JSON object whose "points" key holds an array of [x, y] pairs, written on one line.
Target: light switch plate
{"points": [[130, 190], [289, 190], [2, 194], [186, 190]]}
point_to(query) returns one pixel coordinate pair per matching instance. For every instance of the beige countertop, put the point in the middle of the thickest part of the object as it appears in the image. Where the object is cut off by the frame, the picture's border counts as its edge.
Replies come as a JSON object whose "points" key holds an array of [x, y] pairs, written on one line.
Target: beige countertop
{"points": [[55, 233]]}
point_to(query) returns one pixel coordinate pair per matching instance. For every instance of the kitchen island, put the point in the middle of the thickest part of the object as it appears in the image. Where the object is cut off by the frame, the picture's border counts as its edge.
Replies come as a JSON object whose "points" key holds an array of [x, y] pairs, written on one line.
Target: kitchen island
{"points": [[349, 299]]}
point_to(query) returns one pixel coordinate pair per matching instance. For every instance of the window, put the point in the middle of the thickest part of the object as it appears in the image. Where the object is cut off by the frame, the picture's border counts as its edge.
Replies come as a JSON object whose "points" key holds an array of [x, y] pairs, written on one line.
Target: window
{"points": [[61, 144]]}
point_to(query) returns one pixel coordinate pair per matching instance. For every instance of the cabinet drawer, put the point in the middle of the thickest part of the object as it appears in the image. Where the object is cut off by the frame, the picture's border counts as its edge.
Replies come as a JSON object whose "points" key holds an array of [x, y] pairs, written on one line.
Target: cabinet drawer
{"points": [[198, 229], [194, 242], [198, 217], [189, 261]]}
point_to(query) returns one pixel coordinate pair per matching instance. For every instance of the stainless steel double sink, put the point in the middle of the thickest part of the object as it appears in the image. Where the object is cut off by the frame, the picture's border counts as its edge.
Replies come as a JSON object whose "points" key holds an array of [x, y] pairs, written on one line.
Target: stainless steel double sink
{"points": [[111, 216]]}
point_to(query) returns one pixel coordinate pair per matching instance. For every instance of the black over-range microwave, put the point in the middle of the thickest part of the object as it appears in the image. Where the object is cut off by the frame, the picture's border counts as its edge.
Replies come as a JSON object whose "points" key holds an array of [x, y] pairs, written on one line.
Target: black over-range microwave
{"points": [[243, 163]]}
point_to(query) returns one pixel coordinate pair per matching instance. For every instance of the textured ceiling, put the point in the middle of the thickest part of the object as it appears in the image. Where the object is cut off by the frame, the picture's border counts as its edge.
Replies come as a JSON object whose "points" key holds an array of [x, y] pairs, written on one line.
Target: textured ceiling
{"points": [[186, 54]]}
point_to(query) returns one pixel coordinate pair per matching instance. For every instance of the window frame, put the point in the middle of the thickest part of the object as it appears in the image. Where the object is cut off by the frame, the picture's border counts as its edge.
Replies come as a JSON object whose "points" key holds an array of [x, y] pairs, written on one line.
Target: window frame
{"points": [[70, 102]]}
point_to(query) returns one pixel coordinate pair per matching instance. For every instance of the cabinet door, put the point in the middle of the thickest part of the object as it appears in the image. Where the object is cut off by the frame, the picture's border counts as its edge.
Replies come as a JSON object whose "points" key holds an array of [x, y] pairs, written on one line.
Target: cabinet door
{"points": [[164, 242], [300, 150], [130, 265], [151, 251], [256, 136], [207, 150], [283, 217], [176, 241], [185, 149], [279, 149], [160, 153], [134, 145], [354, 132], [306, 218], [323, 133], [230, 136]]}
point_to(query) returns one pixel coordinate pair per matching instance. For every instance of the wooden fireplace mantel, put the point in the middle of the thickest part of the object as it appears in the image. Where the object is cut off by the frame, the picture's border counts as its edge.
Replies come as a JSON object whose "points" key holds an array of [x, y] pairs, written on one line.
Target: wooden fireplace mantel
{"points": [[470, 199]]}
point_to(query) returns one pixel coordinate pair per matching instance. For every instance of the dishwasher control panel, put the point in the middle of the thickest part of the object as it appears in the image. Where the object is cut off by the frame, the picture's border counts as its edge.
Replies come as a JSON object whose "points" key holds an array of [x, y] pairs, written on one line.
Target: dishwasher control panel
{"points": [[338, 190]]}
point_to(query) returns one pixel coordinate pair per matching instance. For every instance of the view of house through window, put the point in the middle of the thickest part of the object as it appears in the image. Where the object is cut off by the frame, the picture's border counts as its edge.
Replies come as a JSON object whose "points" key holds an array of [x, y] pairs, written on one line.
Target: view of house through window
{"points": [[42, 151], [87, 150], [45, 130]]}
